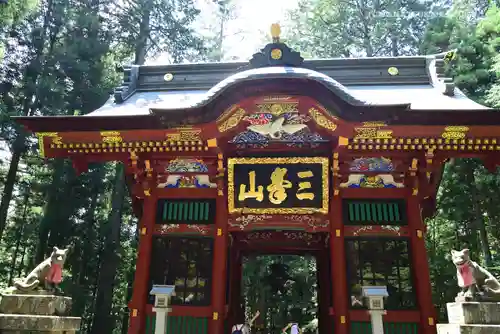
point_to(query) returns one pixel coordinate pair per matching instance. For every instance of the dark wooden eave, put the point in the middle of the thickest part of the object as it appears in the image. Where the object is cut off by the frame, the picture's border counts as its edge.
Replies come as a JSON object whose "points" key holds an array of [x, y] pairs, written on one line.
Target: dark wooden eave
{"points": [[326, 81], [338, 106]]}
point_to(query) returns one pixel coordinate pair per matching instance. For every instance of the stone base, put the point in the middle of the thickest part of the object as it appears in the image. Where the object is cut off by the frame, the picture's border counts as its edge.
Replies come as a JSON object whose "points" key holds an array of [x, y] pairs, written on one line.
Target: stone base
{"points": [[474, 313], [467, 329], [20, 323], [36, 304]]}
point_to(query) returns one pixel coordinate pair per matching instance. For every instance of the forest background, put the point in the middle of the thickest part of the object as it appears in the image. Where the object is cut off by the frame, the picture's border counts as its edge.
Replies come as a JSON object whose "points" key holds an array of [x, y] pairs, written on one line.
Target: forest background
{"points": [[63, 57]]}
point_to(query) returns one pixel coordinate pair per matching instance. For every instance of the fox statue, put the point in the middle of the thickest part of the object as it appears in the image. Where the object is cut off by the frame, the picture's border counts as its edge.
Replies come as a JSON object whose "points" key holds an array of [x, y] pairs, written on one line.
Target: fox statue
{"points": [[47, 274], [476, 283]]}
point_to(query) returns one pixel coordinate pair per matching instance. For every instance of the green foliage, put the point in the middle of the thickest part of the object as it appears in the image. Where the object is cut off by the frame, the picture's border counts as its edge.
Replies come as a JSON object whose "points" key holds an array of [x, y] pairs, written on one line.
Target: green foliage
{"points": [[61, 58], [282, 288], [332, 28], [476, 48], [467, 203], [12, 12]]}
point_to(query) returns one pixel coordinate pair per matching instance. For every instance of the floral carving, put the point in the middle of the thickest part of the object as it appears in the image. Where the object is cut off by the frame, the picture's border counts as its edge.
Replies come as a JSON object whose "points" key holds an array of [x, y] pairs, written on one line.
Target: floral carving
{"points": [[186, 166], [178, 228], [311, 221], [243, 221], [371, 165]]}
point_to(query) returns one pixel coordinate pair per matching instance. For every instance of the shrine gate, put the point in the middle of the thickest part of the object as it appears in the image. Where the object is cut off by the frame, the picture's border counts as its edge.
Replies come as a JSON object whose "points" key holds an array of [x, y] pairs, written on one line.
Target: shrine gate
{"points": [[340, 158]]}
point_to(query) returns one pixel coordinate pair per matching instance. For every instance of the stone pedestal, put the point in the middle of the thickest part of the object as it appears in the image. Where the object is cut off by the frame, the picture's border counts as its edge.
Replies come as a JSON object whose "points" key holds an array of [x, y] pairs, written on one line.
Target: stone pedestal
{"points": [[471, 318], [37, 313]]}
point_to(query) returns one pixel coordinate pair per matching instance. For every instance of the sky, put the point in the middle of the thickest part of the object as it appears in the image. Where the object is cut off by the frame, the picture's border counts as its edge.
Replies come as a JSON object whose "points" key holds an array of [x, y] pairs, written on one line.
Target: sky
{"points": [[249, 32], [255, 18]]}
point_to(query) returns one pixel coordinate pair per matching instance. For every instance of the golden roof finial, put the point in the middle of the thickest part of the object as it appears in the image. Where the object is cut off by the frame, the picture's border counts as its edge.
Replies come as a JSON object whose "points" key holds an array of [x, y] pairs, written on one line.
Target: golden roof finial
{"points": [[275, 32]]}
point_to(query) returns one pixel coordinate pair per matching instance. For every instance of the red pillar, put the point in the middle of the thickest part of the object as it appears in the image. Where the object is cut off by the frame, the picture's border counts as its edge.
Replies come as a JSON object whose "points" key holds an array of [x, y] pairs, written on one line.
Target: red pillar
{"points": [[420, 265], [324, 279], [338, 267], [219, 263], [137, 304]]}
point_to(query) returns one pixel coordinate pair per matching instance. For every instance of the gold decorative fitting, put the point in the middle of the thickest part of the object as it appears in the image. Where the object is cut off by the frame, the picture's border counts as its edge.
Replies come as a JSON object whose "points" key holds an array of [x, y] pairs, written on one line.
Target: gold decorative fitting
{"points": [[110, 137], [276, 54], [231, 196], [275, 32], [321, 120], [168, 77], [42, 135], [184, 135], [57, 140], [455, 132], [414, 164], [134, 313], [219, 232], [372, 133], [342, 319], [278, 109], [215, 316], [212, 142], [232, 121], [374, 124], [143, 231], [393, 71]]}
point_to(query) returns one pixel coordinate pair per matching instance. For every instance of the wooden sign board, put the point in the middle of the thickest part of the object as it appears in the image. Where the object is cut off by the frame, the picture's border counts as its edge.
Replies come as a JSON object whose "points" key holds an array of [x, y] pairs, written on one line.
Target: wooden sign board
{"points": [[278, 185]]}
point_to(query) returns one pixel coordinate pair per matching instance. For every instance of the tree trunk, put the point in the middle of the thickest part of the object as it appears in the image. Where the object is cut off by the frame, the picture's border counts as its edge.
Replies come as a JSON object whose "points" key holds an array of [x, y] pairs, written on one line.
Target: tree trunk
{"points": [[18, 149], [19, 237], [394, 46], [142, 39], [479, 221], [31, 77], [103, 322], [85, 271], [50, 210]]}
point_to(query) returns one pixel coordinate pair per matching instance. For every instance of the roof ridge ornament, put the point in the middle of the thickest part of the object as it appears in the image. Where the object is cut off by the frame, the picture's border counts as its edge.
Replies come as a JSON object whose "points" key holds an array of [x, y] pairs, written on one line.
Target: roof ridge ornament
{"points": [[129, 84], [276, 53], [436, 68], [275, 32]]}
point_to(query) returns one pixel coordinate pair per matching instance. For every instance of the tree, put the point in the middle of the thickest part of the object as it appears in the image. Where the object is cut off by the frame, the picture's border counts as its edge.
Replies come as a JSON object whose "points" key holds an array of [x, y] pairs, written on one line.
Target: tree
{"points": [[215, 27], [333, 28], [476, 47], [147, 28], [491, 27], [11, 12], [150, 27], [467, 209]]}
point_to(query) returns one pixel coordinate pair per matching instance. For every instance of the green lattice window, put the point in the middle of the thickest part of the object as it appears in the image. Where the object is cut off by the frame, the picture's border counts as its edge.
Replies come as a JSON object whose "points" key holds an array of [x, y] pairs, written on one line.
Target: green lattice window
{"points": [[179, 325], [380, 261], [185, 263], [374, 212], [358, 327], [180, 211]]}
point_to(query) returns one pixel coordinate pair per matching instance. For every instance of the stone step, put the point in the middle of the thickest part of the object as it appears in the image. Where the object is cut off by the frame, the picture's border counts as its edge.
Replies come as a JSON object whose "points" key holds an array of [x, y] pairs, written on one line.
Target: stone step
{"points": [[484, 313], [467, 329], [13, 323], [35, 304]]}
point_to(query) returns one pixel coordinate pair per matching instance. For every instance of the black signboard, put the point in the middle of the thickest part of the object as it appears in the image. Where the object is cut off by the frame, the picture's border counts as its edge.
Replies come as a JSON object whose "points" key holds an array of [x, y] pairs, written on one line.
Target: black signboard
{"points": [[278, 185]]}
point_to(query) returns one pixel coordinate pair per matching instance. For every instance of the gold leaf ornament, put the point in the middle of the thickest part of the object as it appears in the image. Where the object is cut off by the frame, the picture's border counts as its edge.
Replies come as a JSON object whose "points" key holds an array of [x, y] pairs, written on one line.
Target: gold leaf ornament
{"points": [[321, 120], [232, 121]]}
